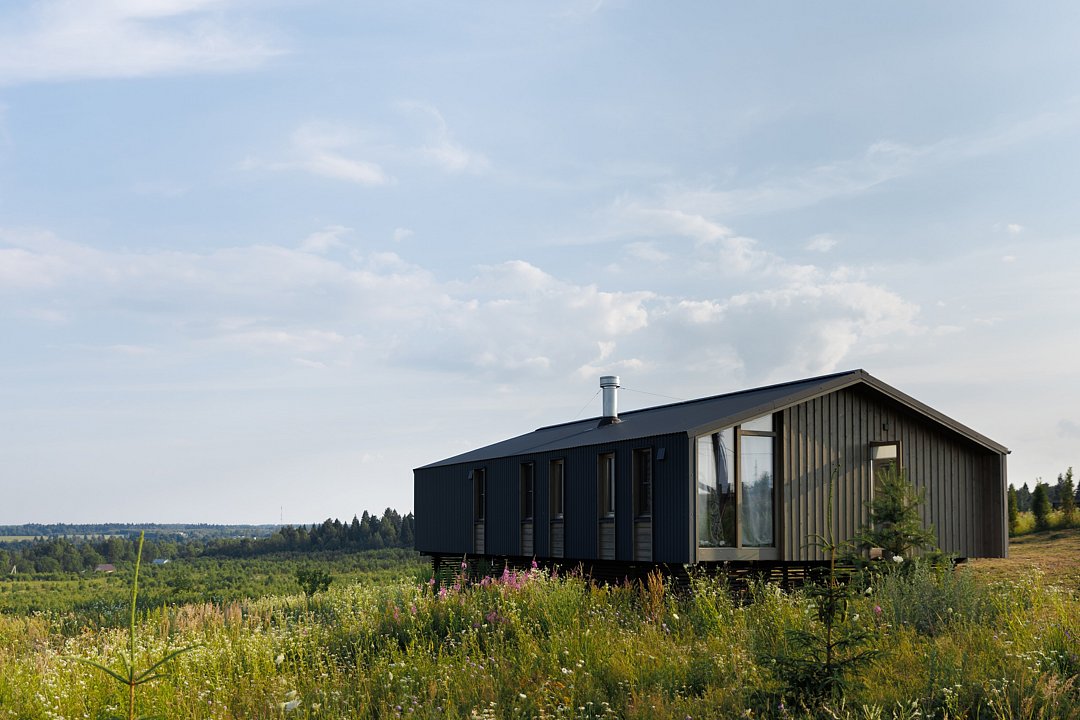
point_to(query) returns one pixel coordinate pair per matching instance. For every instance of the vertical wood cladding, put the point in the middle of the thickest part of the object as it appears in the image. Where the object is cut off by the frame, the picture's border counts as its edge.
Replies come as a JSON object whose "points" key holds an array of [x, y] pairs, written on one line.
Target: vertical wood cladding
{"points": [[444, 504], [962, 480]]}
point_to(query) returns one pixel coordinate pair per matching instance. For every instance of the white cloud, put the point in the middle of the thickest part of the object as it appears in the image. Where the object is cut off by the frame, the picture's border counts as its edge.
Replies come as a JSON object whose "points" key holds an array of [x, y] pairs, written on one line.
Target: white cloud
{"points": [[324, 240], [439, 146], [821, 243], [647, 252], [69, 40], [319, 149], [402, 234], [1015, 228]]}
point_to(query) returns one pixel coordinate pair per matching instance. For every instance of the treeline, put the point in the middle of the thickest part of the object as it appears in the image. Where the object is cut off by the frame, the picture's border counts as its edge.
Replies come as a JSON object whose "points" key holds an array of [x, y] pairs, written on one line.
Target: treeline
{"points": [[1056, 493], [73, 554], [368, 532], [192, 531], [1063, 496]]}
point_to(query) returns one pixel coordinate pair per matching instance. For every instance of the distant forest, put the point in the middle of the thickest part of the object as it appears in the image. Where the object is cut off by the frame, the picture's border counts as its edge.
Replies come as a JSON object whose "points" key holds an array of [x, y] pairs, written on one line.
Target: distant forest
{"points": [[81, 548]]}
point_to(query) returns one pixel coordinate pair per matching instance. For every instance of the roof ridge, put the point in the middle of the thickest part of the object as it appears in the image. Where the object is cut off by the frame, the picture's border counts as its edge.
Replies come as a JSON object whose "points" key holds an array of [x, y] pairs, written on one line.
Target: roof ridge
{"points": [[817, 378]]}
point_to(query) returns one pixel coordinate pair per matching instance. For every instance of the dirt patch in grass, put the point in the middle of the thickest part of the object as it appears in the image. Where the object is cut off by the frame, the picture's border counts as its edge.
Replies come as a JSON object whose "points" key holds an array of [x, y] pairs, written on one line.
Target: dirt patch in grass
{"points": [[1055, 552]]}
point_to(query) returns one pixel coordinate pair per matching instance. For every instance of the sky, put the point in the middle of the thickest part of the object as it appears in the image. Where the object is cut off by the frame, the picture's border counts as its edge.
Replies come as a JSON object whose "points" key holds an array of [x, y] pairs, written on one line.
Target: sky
{"points": [[259, 259]]}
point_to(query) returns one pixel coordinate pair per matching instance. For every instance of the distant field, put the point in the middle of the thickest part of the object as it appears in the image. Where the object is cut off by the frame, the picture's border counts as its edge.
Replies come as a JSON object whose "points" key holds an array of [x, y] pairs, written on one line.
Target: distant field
{"points": [[1055, 553]]}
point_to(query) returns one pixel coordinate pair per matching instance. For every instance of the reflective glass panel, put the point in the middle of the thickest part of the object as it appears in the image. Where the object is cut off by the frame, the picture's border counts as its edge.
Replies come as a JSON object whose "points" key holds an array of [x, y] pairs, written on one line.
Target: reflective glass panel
{"points": [[716, 489], [761, 424], [756, 475]]}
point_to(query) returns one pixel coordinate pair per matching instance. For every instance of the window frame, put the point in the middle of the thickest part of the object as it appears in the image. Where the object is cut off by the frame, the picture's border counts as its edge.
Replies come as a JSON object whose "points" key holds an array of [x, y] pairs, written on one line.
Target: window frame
{"points": [[738, 551], [643, 477], [527, 487], [605, 484], [479, 482], [879, 464], [557, 488]]}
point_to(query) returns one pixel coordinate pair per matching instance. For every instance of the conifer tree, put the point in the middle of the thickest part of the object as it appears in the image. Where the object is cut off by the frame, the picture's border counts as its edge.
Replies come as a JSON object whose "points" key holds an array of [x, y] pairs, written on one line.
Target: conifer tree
{"points": [[895, 524], [1014, 515], [1040, 506], [1023, 498], [1067, 497]]}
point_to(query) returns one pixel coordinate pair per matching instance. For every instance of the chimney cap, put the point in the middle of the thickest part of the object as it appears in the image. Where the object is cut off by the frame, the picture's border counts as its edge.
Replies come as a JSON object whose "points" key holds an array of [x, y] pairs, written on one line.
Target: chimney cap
{"points": [[610, 385]]}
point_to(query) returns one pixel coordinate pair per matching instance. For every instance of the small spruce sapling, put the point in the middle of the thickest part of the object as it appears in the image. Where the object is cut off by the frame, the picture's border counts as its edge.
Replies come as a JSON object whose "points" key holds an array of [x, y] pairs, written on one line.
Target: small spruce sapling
{"points": [[894, 522], [822, 659]]}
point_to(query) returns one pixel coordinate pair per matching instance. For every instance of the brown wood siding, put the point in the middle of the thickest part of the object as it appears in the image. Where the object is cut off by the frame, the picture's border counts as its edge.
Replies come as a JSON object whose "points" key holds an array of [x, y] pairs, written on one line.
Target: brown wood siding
{"points": [[643, 540], [606, 538], [479, 537], [527, 538], [961, 479], [556, 543]]}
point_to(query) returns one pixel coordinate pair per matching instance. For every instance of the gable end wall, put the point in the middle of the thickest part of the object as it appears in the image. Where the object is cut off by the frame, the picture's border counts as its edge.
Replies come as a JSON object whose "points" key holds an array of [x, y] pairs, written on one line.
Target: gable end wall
{"points": [[964, 482]]}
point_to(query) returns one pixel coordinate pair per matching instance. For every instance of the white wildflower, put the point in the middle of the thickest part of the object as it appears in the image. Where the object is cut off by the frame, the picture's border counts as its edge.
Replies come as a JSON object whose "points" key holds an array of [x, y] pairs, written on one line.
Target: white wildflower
{"points": [[898, 558]]}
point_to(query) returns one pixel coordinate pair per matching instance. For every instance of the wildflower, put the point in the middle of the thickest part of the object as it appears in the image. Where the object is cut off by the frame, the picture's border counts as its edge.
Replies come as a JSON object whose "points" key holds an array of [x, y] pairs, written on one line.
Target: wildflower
{"points": [[279, 659], [523, 696], [290, 705], [877, 610], [898, 558]]}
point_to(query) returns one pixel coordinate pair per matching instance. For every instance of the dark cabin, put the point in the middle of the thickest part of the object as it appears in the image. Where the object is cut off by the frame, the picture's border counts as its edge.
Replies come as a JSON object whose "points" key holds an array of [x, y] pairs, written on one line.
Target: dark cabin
{"points": [[738, 477]]}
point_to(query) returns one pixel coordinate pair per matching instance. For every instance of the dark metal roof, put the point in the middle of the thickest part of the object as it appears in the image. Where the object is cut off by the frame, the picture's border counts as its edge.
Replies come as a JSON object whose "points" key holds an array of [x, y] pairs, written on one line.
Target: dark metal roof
{"points": [[694, 417]]}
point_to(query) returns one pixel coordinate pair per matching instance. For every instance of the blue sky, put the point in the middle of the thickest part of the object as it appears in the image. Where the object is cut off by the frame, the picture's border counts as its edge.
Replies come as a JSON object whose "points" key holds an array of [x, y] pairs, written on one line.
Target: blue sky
{"points": [[258, 260]]}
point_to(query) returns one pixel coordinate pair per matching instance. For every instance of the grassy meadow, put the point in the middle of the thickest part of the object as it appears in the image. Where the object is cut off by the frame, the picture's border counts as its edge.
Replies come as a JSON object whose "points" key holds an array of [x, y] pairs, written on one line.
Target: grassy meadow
{"points": [[994, 639]]}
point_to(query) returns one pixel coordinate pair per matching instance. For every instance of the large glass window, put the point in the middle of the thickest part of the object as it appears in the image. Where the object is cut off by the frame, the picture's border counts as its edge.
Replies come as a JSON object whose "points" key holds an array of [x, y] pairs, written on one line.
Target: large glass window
{"points": [[735, 493], [756, 476], [716, 489]]}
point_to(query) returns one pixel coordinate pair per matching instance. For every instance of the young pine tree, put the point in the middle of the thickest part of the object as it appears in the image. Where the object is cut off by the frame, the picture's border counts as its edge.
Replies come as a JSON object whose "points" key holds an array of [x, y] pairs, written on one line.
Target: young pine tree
{"points": [[1014, 514], [1067, 498], [1040, 507], [894, 524]]}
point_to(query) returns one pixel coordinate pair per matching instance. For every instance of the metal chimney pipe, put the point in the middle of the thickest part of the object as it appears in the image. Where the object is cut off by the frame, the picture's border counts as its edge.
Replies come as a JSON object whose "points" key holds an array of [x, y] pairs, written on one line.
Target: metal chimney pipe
{"points": [[610, 385]]}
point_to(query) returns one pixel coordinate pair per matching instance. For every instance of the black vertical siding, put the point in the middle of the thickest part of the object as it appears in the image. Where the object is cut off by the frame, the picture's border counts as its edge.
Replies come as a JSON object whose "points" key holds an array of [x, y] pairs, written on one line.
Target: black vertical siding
{"points": [[443, 503]]}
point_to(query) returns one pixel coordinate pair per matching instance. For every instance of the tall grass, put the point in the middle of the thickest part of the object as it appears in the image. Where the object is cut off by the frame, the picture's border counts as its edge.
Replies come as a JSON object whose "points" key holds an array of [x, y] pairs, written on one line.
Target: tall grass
{"points": [[529, 645]]}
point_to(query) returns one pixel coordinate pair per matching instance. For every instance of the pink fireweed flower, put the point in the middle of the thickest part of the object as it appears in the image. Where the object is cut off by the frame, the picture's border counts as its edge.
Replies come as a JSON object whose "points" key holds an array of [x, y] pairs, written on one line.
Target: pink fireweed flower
{"points": [[877, 610]]}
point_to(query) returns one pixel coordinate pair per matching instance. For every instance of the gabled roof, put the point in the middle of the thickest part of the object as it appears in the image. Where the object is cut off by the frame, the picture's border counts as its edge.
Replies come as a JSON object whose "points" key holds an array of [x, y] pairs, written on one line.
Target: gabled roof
{"points": [[694, 417]]}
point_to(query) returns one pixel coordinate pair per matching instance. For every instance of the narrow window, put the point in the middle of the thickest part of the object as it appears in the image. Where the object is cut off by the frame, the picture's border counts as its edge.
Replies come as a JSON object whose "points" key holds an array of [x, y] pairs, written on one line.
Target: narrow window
{"points": [[884, 457], [555, 482], [606, 484], [479, 494], [643, 481], [716, 489], [526, 491]]}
